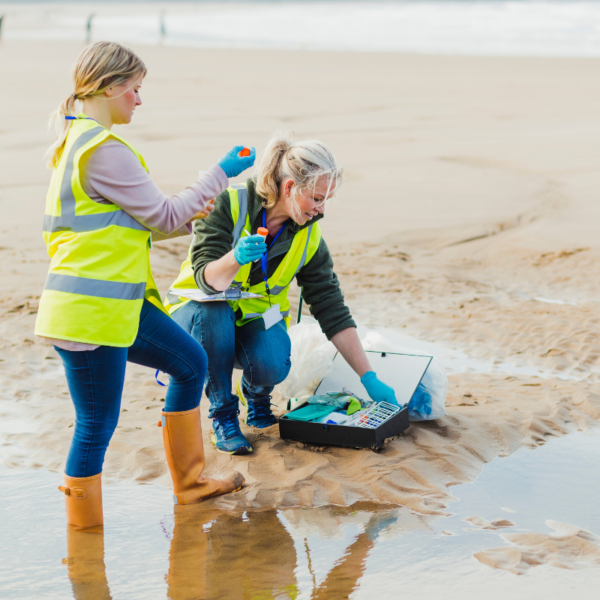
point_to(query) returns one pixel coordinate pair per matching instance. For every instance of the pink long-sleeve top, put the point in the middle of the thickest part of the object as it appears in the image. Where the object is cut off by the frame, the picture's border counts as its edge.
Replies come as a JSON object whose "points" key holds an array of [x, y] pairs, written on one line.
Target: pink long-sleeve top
{"points": [[112, 174]]}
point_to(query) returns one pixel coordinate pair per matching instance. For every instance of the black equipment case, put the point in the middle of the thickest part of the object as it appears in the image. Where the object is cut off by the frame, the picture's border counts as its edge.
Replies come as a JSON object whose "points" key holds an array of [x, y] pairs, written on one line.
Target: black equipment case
{"points": [[404, 370]]}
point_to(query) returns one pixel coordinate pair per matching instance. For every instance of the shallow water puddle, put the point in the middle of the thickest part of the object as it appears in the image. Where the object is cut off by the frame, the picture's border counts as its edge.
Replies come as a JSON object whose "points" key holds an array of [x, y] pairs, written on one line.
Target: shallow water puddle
{"points": [[556, 481], [364, 551]]}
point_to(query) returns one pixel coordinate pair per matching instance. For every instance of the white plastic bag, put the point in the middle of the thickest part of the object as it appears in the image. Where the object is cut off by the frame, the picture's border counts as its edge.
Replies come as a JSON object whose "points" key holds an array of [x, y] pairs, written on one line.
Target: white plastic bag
{"points": [[312, 355], [429, 400]]}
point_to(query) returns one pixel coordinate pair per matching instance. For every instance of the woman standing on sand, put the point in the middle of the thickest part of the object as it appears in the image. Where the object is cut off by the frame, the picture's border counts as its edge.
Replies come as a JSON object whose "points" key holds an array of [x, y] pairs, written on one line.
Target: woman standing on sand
{"points": [[287, 198], [100, 306]]}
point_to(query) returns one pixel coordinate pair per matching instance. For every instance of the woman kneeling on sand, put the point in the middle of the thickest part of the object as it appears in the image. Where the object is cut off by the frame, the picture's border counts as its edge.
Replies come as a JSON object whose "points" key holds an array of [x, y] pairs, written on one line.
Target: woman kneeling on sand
{"points": [[288, 199], [100, 306]]}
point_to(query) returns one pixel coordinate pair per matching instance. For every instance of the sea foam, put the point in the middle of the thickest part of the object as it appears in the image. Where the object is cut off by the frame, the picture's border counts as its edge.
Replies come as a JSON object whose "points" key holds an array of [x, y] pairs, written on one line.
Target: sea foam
{"points": [[485, 27]]}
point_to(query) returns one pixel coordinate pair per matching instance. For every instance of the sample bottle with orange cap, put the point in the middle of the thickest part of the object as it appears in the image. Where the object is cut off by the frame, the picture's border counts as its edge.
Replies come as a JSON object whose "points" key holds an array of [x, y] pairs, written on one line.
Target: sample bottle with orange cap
{"points": [[244, 152], [264, 232]]}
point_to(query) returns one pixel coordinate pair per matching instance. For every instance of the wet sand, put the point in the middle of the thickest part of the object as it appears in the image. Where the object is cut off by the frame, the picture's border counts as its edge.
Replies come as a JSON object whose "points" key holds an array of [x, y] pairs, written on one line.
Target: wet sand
{"points": [[470, 193]]}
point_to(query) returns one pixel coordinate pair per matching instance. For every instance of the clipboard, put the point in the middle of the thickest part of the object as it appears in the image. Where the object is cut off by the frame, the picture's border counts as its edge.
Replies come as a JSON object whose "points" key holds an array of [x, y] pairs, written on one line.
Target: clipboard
{"points": [[232, 294]]}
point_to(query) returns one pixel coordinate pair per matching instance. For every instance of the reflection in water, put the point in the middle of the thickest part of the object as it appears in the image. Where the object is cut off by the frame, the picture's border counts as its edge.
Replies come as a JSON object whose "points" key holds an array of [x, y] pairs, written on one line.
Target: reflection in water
{"points": [[187, 577], [344, 576], [220, 555], [245, 555], [85, 561], [252, 555]]}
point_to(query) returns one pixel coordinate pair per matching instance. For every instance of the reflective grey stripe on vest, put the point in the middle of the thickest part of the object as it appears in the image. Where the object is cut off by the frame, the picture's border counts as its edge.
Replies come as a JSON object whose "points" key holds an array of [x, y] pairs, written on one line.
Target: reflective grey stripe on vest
{"points": [[68, 221], [243, 212], [277, 289], [94, 222], [252, 316], [98, 288], [284, 313]]}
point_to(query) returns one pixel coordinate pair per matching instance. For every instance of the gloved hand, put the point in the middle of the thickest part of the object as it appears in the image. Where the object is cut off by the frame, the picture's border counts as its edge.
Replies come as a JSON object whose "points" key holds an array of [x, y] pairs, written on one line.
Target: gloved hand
{"points": [[379, 391], [249, 249], [233, 164], [421, 404]]}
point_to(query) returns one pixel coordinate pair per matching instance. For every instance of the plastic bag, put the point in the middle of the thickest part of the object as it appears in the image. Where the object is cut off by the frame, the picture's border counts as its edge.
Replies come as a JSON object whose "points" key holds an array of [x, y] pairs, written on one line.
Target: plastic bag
{"points": [[312, 356], [429, 400]]}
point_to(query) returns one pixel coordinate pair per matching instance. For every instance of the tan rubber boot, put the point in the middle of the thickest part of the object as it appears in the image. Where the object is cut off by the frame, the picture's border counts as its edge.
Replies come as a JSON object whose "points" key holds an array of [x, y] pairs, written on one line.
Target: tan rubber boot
{"points": [[182, 436], [83, 501]]}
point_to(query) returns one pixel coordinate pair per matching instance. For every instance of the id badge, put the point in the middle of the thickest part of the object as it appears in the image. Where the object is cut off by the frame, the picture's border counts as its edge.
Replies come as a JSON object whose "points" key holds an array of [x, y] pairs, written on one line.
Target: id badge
{"points": [[272, 316]]}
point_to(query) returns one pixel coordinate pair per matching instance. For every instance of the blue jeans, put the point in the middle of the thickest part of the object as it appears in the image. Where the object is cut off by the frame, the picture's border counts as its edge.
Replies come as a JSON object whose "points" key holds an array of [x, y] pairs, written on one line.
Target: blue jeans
{"points": [[263, 355], [96, 378]]}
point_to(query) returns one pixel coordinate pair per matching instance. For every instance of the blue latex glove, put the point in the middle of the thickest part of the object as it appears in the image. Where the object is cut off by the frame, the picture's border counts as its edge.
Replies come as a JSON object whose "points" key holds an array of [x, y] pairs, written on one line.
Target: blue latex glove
{"points": [[233, 164], [379, 391], [420, 405], [249, 249]]}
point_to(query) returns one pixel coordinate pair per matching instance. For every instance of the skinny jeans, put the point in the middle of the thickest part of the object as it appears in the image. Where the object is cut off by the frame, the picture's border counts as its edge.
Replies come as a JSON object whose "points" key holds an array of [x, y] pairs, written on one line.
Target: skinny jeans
{"points": [[264, 355], [95, 379]]}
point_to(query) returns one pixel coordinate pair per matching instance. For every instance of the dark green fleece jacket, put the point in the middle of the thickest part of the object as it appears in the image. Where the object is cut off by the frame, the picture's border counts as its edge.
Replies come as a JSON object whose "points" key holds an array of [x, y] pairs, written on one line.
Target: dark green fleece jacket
{"points": [[213, 237]]}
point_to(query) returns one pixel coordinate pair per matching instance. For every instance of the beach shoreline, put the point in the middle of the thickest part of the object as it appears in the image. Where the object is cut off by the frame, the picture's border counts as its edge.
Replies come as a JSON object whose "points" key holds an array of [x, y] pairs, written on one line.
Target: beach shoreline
{"points": [[548, 28]]}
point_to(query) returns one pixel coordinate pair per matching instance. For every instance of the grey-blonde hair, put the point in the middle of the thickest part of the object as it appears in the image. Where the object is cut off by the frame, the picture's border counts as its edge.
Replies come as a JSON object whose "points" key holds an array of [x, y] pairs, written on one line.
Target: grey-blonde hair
{"points": [[99, 66], [305, 162]]}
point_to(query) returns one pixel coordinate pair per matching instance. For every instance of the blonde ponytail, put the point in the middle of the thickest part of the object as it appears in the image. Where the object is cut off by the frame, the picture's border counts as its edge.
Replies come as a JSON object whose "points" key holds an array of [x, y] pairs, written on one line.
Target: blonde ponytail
{"points": [[61, 127], [99, 66], [305, 162], [268, 180]]}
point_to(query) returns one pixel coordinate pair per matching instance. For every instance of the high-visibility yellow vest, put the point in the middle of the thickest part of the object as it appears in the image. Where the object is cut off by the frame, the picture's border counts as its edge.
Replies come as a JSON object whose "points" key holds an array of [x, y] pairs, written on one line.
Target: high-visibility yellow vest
{"points": [[303, 248], [100, 264]]}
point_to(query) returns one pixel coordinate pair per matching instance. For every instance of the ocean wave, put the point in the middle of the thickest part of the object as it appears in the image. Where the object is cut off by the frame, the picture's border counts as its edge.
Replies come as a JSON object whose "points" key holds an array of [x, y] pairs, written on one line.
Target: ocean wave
{"points": [[493, 27]]}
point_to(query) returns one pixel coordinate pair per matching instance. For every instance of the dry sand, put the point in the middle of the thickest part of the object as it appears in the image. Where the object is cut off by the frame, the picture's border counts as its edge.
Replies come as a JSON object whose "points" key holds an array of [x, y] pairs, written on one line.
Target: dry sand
{"points": [[471, 191]]}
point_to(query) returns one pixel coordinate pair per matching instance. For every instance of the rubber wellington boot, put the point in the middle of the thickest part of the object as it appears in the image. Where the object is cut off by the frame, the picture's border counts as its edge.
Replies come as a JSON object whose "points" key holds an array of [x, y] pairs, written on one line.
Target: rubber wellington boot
{"points": [[182, 436], [83, 501]]}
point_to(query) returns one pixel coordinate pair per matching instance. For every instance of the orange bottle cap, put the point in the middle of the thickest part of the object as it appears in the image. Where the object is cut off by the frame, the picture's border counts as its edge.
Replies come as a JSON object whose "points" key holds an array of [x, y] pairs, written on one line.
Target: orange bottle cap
{"points": [[244, 152], [262, 231]]}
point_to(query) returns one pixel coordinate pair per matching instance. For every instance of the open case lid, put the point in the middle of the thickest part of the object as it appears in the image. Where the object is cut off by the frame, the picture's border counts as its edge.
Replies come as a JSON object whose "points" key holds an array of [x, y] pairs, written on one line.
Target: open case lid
{"points": [[402, 372]]}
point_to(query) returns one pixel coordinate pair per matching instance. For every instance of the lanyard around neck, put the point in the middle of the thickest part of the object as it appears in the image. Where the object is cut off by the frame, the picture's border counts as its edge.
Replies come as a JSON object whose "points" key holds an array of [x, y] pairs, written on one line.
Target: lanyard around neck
{"points": [[263, 258], [70, 118]]}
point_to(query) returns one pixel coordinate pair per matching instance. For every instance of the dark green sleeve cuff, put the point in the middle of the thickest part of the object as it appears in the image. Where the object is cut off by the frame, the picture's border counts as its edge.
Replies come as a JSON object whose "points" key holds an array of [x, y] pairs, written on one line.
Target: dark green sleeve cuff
{"points": [[339, 327], [201, 282]]}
